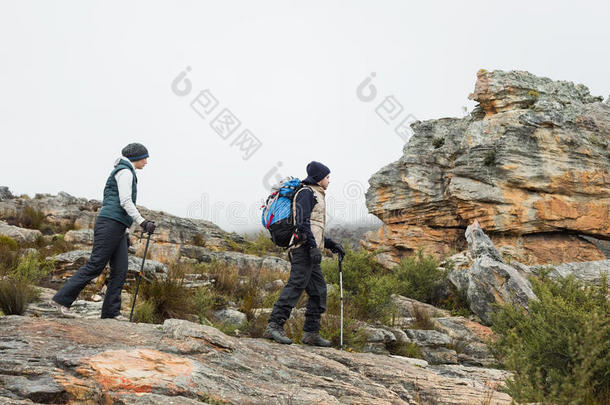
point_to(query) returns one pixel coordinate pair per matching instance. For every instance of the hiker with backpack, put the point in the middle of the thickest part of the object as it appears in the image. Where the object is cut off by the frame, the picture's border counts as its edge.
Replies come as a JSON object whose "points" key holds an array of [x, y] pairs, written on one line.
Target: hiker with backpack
{"points": [[305, 222], [110, 236]]}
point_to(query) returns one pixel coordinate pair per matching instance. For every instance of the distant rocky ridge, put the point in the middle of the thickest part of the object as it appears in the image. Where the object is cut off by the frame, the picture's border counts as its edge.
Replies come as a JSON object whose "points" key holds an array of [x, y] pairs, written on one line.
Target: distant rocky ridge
{"points": [[531, 163], [175, 239]]}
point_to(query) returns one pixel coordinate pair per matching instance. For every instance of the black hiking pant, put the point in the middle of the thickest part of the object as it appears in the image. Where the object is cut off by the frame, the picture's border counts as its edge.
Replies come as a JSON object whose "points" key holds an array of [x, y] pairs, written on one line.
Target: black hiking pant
{"points": [[304, 276], [109, 245]]}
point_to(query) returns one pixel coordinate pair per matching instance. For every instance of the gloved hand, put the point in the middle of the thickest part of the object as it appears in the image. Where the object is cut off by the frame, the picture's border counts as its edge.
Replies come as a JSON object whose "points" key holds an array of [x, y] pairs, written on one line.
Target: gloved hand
{"points": [[315, 255], [338, 249], [148, 226]]}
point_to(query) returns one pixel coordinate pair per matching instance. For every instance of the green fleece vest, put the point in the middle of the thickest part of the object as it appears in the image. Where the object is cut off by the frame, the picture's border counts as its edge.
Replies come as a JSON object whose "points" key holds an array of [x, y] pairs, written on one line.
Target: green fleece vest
{"points": [[111, 206]]}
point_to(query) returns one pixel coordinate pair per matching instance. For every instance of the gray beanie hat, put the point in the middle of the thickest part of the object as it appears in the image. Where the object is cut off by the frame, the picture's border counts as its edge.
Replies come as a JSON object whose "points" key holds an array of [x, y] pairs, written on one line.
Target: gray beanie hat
{"points": [[135, 151]]}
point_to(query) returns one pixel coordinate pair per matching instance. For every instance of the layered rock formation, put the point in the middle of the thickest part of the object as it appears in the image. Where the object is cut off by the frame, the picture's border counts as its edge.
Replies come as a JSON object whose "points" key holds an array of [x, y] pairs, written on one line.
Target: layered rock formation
{"points": [[531, 163]]}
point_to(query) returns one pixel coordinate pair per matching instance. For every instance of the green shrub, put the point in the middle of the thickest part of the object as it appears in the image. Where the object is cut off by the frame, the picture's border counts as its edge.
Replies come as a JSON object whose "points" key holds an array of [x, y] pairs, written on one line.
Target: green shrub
{"points": [[8, 254], [260, 244], [438, 142], [247, 291], [490, 158], [8, 243], [419, 277], [30, 269], [423, 318], [169, 297], [58, 245], [331, 322], [456, 301], [145, 312], [559, 352], [198, 240], [32, 218], [206, 301], [256, 327], [15, 295], [405, 349], [17, 287], [367, 285]]}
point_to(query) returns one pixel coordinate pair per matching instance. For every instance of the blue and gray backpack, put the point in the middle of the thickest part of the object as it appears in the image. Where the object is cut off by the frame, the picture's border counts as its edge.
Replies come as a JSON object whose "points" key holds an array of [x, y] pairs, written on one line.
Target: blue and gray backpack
{"points": [[278, 212]]}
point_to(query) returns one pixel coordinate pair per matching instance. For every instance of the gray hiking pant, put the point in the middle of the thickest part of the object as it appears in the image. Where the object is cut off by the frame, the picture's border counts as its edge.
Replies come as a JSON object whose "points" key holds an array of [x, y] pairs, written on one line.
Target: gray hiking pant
{"points": [[304, 276], [109, 245]]}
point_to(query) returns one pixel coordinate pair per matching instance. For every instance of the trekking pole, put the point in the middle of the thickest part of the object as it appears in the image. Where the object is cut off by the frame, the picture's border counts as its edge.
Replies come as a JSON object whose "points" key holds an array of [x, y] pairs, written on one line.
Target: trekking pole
{"points": [[341, 298], [139, 275]]}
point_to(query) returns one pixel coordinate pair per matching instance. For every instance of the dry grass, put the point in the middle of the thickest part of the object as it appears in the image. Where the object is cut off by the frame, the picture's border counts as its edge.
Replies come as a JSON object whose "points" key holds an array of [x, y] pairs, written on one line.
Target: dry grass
{"points": [[423, 319]]}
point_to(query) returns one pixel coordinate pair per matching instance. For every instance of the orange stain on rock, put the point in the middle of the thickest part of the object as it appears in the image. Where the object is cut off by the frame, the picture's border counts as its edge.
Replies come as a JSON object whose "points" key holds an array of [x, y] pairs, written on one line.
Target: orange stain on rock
{"points": [[138, 370]]}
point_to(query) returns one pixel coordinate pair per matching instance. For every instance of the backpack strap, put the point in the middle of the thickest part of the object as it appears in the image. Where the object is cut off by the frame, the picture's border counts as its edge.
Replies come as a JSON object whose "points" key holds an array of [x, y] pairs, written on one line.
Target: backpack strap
{"points": [[294, 211]]}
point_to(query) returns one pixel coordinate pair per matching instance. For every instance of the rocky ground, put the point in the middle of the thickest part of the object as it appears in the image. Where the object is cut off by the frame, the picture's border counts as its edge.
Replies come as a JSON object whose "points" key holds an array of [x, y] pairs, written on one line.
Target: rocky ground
{"points": [[91, 361]]}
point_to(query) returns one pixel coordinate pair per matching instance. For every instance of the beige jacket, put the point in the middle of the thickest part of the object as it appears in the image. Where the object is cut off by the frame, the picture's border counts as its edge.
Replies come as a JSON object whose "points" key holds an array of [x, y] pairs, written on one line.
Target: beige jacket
{"points": [[318, 215]]}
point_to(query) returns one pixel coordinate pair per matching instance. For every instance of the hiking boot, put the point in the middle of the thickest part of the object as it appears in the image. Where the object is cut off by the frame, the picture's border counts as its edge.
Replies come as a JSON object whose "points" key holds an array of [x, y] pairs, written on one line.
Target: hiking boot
{"points": [[276, 332], [314, 339], [120, 318], [63, 311]]}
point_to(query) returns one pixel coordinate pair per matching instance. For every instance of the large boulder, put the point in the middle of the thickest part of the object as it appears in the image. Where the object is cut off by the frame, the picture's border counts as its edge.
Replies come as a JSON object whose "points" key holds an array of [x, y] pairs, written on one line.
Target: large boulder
{"points": [[67, 263], [5, 193], [80, 236], [587, 272], [490, 280], [22, 235], [531, 163]]}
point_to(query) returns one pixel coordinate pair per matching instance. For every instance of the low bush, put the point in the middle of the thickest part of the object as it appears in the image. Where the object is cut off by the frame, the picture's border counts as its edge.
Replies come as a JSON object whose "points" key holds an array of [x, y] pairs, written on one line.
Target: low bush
{"points": [[145, 312], [259, 244], [559, 351], [367, 285], [423, 318], [9, 250], [32, 218], [15, 295], [405, 349], [420, 277], [17, 286], [168, 298]]}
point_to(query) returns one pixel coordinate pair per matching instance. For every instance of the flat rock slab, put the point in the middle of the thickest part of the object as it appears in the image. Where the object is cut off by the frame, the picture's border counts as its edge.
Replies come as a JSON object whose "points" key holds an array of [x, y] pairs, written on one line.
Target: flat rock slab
{"points": [[99, 361]]}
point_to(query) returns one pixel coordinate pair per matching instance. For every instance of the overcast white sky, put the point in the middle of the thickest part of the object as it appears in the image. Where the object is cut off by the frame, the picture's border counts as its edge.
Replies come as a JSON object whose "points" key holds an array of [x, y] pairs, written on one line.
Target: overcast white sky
{"points": [[81, 79]]}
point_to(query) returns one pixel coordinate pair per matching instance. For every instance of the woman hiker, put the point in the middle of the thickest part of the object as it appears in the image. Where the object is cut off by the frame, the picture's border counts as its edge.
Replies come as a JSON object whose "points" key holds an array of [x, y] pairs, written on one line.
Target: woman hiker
{"points": [[305, 257], [110, 236]]}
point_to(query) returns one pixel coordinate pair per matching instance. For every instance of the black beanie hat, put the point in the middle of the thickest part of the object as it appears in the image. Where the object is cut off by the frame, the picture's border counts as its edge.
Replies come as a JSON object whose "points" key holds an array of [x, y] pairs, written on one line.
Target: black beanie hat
{"points": [[135, 151], [316, 171]]}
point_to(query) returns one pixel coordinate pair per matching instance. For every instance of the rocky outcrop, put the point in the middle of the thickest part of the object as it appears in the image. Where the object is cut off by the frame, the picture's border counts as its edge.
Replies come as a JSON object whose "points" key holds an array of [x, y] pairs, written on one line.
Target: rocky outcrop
{"points": [[237, 259], [49, 360], [587, 272], [175, 239], [67, 263], [18, 234], [5, 193], [490, 280], [79, 214], [531, 163]]}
